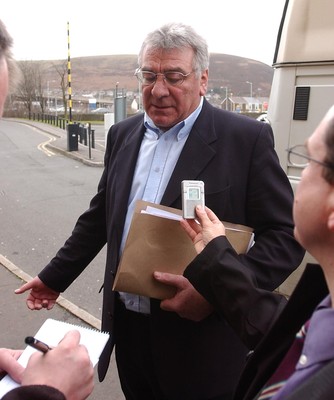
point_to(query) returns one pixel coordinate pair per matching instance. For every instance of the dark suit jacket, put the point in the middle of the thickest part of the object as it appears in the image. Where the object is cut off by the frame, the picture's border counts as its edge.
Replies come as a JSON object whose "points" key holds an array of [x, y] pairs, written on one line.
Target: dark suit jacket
{"points": [[319, 387], [36, 392], [244, 183], [310, 291], [219, 275], [264, 320]]}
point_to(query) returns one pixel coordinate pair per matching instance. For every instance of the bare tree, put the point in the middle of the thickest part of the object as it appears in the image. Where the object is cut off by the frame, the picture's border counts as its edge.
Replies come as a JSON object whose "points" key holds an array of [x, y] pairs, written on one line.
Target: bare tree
{"points": [[39, 82], [62, 72], [27, 88]]}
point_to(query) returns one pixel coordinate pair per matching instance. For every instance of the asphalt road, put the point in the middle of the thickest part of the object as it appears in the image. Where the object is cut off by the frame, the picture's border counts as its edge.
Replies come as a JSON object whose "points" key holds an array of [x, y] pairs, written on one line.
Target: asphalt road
{"points": [[41, 197]]}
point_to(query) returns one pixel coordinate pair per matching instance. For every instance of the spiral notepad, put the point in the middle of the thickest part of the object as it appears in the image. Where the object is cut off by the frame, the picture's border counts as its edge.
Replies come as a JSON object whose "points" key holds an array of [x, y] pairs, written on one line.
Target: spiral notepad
{"points": [[52, 332]]}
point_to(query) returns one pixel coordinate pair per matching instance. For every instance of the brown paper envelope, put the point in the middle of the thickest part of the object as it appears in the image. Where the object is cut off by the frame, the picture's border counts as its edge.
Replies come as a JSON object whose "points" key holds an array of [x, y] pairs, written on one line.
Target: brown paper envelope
{"points": [[160, 244], [153, 244]]}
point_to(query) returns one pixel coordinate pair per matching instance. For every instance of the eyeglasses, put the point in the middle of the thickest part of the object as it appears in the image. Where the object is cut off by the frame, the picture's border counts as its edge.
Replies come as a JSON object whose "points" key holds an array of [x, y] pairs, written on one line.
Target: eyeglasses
{"points": [[173, 78], [298, 157]]}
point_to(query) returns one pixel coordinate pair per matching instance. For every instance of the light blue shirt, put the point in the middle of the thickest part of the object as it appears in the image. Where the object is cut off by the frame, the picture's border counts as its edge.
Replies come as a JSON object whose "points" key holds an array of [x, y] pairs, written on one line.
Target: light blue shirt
{"points": [[158, 155]]}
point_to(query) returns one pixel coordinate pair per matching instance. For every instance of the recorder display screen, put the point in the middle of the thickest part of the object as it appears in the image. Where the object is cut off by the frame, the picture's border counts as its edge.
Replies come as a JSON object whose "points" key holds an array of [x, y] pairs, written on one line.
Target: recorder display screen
{"points": [[194, 193]]}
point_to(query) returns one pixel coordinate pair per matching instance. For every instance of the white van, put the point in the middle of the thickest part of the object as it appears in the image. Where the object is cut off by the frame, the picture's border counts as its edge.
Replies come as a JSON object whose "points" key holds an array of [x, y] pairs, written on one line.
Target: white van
{"points": [[303, 83]]}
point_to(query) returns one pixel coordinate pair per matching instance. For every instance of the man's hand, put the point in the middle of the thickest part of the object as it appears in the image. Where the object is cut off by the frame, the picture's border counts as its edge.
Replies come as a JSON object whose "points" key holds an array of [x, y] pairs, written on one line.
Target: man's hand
{"points": [[187, 302], [67, 367], [40, 295]]}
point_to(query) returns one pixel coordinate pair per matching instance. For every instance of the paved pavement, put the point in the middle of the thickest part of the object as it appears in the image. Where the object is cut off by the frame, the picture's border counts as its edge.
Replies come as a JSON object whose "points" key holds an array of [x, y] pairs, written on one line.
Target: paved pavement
{"points": [[16, 320]]}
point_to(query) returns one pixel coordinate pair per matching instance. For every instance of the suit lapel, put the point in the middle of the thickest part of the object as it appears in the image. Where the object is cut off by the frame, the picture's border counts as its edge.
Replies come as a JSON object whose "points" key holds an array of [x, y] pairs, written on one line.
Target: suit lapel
{"points": [[124, 169], [195, 156]]}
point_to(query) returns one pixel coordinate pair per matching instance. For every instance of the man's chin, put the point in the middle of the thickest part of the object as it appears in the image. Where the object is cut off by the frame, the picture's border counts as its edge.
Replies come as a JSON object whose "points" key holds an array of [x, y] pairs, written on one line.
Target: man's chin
{"points": [[162, 123]]}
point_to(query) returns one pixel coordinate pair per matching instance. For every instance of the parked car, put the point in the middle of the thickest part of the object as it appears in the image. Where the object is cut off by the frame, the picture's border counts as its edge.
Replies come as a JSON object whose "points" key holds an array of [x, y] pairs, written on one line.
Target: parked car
{"points": [[263, 118], [101, 110]]}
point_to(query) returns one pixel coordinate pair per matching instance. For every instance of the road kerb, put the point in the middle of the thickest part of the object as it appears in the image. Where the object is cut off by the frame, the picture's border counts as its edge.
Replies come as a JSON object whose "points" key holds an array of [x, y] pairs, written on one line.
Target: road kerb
{"points": [[61, 301]]}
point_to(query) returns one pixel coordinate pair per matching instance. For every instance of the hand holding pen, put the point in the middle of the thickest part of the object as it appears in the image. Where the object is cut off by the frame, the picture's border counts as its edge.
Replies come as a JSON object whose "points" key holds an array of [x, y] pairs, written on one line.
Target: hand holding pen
{"points": [[67, 367], [37, 344]]}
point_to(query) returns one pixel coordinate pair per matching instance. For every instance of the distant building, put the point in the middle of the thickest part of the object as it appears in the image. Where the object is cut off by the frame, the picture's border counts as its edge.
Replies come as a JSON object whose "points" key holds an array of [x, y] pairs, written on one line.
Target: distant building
{"points": [[245, 104], [134, 105]]}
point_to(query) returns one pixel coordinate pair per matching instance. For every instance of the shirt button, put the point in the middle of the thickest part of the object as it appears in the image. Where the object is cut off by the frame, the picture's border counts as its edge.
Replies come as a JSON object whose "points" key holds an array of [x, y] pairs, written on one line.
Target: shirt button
{"points": [[303, 360]]}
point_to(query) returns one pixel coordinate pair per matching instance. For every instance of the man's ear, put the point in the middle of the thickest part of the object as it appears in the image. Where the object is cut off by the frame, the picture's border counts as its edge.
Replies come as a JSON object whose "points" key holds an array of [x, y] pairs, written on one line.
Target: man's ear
{"points": [[204, 82], [331, 221]]}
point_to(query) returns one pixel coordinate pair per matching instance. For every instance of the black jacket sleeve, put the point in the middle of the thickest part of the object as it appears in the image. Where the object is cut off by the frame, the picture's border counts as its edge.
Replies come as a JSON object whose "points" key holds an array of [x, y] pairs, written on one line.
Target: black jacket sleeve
{"points": [[34, 392], [223, 280]]}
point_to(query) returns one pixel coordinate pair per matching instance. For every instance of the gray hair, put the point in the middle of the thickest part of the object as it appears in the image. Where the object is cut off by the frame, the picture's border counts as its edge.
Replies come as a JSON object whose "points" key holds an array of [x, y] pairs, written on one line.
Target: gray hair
{"points": [[178, 36], [6, 43]]}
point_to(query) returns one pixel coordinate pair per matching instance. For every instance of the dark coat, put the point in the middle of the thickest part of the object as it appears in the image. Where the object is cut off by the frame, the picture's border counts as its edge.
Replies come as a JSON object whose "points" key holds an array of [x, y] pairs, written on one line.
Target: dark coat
{"points": [[310, 291], [235, 157], [265, 321], [319, 387], [36, 392]]}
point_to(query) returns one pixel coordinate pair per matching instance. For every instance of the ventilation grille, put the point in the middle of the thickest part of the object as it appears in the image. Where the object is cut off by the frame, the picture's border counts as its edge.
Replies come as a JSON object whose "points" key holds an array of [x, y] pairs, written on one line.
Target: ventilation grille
{"points": [[302, 100]]}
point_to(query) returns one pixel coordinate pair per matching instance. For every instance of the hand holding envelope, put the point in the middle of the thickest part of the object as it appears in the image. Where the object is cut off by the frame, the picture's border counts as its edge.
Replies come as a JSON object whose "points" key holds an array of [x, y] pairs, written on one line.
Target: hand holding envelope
{"points": [[156, 241]]}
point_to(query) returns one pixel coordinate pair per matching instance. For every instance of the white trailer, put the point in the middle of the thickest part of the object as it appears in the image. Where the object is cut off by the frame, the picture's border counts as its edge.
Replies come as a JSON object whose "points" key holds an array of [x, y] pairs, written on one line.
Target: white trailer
{"points": [[303, 83]]}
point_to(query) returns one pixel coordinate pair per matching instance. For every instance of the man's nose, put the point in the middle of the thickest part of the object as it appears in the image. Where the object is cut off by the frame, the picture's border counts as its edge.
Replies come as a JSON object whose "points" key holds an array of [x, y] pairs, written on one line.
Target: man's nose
{"points": [[160, 87]]}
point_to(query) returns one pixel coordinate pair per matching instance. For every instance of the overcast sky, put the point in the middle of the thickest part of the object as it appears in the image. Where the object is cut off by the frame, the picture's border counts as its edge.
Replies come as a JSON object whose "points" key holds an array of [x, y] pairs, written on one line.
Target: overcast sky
{"points": [[39, 27]]}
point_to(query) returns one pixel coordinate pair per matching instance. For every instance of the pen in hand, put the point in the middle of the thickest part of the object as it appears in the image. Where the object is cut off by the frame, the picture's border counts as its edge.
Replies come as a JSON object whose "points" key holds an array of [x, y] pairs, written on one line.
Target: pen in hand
{"points": [[37, 344]]}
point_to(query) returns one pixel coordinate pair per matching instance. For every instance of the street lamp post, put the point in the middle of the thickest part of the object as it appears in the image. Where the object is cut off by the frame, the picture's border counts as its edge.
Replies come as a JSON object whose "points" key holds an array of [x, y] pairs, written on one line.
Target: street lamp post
{"points": [[48, 101], [226, 96], [251, 88], [251, 94]]}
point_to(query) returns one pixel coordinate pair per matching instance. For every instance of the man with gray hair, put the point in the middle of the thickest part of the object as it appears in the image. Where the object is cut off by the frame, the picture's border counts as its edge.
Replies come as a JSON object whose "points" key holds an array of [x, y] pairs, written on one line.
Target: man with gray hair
{"points": [[177, 349]]}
